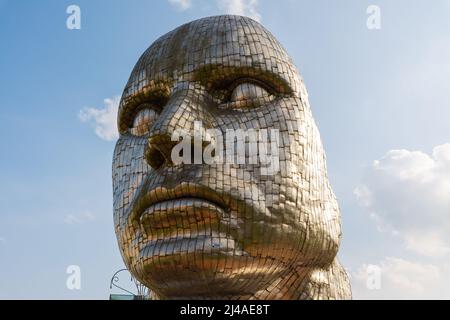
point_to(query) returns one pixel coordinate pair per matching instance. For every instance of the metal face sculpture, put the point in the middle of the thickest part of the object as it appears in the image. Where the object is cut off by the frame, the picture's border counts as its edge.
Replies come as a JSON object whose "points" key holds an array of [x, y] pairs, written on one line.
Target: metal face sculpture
{"points": [[224, 230]]}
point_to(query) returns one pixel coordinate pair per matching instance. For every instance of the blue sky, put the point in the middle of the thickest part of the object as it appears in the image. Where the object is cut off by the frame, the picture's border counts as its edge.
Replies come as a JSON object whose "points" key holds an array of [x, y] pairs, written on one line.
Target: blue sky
{"points": [[379, 97]]}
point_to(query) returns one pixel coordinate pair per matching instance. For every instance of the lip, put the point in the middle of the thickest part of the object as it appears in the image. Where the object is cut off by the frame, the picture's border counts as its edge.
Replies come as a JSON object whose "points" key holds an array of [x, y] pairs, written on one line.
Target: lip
{"points": [[169, 198], [214, 242], [181, 217]]}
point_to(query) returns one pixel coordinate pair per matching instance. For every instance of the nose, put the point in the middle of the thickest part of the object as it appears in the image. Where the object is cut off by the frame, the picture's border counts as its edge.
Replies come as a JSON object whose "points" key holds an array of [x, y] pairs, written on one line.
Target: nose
{"points": [[188, 103]]}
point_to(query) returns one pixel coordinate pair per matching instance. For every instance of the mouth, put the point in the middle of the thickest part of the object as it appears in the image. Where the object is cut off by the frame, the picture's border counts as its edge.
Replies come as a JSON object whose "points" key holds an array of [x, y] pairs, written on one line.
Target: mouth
{"points": [[184, 218], [183, 197]]}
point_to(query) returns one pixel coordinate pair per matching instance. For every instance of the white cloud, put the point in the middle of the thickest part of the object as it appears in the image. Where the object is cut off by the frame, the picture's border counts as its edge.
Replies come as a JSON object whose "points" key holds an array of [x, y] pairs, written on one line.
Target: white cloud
{"points": [[247, 8], [401, 279], [104, 120], [408, 193], [79, 218], [240, 7], [180, 4]]}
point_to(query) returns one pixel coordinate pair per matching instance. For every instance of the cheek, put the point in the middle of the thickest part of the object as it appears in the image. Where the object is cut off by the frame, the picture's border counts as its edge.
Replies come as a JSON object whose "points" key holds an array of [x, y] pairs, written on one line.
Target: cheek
{"points": [[301, 191], [307, 191], [129, 170]]}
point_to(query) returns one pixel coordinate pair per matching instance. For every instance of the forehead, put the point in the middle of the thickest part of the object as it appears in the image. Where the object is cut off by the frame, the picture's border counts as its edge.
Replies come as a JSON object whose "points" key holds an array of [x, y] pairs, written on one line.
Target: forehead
{"points": [[209, 48]]}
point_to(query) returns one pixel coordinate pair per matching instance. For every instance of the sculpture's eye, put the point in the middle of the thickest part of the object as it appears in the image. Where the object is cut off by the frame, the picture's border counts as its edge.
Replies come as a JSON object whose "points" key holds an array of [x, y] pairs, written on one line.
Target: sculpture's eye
{"points": [[246, 91], [143, 121], [249, 94]]}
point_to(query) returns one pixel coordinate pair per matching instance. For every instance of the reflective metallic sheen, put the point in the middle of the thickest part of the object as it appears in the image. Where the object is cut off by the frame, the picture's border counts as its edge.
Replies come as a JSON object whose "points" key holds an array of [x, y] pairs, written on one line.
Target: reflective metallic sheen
{"points": [[221, 231]]}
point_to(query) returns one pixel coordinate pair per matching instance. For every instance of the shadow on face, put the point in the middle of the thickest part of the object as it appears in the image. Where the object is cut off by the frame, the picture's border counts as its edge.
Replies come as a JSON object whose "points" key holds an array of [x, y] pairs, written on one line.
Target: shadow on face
{"points": [[220, 229]]}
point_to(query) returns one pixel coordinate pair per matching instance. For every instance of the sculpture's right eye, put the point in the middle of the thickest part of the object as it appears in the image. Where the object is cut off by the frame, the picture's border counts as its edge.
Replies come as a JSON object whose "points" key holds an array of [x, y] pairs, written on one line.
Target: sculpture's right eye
{"points": [[143, 121]]}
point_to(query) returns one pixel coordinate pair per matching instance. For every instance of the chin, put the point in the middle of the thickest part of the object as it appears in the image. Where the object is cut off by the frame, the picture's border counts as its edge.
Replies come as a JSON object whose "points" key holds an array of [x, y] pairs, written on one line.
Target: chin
{"points": [[202, 275]]}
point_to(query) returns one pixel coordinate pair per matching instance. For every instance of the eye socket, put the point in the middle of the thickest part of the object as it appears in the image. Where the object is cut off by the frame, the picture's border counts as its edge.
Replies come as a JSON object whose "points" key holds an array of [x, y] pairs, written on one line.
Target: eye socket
{"points": [[143, 120], [248, 94]]}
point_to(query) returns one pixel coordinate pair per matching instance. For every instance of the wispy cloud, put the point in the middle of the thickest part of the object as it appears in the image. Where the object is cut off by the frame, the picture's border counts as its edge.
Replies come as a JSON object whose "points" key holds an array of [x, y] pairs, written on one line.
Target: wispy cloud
{"points": [[181, 4], [103, 120], [401, 279], [247, 8], [84, 217], [408, 193]]}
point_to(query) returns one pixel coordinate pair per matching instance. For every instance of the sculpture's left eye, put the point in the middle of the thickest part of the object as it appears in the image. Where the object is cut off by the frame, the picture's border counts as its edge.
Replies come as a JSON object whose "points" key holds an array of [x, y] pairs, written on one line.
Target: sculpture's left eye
{"points": [[248, 93], [143, 121]]}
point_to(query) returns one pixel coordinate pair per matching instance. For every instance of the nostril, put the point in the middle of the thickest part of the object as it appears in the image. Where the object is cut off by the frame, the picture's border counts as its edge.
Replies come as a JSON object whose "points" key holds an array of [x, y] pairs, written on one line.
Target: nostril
{"points": [[154, 158], [159, 150]]}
